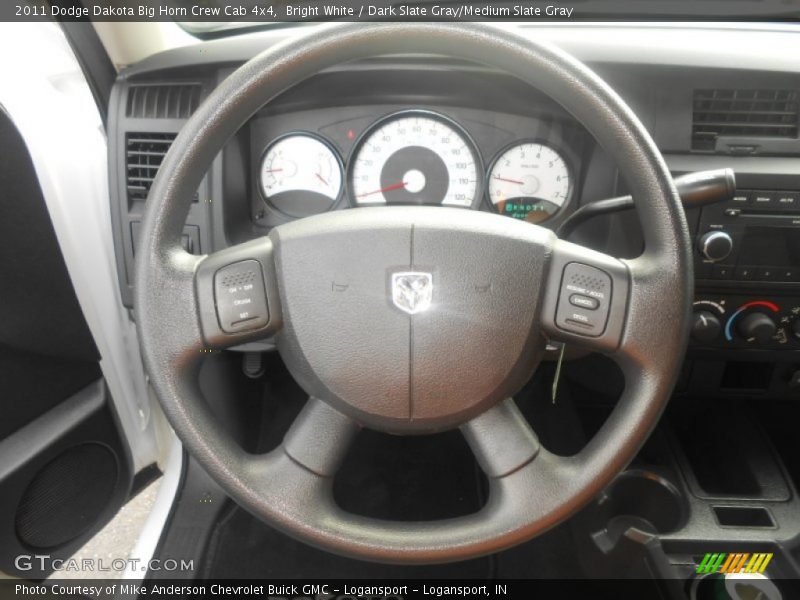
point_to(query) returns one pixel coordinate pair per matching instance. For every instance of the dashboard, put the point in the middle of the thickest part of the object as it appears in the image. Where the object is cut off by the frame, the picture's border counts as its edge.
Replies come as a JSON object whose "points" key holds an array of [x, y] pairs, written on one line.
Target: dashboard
{"points": [[440, 131]]}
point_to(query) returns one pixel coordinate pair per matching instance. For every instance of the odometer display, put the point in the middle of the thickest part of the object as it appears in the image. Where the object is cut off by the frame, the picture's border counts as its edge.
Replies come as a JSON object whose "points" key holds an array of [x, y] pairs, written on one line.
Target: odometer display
{"points": [[415, 158], [529, 181]]}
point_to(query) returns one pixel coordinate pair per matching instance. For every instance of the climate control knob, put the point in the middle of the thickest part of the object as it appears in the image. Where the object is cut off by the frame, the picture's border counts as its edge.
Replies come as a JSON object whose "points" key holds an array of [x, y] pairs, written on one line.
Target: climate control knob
{"points": [[715, 245], [705, 326], [757, 327]]}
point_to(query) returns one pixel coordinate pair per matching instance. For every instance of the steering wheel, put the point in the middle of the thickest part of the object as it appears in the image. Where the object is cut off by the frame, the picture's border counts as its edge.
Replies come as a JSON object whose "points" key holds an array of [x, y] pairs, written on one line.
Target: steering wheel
{"points": [[336, 290]]}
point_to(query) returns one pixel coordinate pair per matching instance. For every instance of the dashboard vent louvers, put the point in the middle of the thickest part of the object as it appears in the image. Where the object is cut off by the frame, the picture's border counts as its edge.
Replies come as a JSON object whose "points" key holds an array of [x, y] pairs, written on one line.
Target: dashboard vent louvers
{"points": [[743, 113], [143, 155], [175, 101]]}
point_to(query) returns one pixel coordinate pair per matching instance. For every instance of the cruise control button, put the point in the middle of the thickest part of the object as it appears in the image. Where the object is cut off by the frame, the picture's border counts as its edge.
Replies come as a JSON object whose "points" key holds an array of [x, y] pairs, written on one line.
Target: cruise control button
{"points": [[241, 297], [584, 301]]}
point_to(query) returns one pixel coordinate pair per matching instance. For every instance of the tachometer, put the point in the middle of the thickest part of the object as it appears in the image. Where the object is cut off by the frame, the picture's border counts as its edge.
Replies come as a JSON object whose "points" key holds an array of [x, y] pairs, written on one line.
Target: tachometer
{"points": [[301, 175], [415, 157], [529, 181]]}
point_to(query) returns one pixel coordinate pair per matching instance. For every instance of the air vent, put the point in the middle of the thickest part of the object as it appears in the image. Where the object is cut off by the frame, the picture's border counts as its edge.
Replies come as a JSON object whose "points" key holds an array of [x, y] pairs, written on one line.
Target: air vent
{"points": [[176, 101], [743, 113], [143, 155]]}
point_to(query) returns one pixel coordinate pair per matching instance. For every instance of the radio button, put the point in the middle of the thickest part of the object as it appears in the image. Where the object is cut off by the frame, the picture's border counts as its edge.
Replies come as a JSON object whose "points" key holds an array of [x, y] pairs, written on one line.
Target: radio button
{"points": [[789, 274], [722, 272], [787, 201], [741, 198], [764, 200], [745, 273], [767, 274]]}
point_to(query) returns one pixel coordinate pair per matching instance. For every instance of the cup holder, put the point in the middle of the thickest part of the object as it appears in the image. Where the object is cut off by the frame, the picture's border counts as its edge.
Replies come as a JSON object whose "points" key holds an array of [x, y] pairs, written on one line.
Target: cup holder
{"points": [[738, 586], [640, 499]]}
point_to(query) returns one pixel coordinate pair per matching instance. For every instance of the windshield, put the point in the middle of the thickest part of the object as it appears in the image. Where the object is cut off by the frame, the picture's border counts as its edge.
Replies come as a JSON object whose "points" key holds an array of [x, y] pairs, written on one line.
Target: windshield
{"points": [[214, 18]]}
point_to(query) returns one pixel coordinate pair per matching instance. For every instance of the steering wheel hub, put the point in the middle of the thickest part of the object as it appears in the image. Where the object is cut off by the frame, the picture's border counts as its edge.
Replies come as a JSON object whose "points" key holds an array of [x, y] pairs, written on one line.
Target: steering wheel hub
{"points": [[347, 343]]}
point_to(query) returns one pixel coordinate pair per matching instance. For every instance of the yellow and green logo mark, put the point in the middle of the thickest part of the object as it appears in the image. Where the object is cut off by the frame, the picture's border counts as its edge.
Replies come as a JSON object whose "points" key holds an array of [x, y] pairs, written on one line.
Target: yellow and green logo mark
{"points": [[742, 562]]}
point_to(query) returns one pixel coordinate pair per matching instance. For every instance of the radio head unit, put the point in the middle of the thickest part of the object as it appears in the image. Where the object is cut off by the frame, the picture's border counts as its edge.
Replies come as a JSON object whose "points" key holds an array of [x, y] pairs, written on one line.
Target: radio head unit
{"points": [[753, 237]]}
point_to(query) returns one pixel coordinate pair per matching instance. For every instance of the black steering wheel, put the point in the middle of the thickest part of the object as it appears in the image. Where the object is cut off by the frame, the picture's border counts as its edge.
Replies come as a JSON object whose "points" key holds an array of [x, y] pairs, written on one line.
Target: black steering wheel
{"points": [[331, 288]]}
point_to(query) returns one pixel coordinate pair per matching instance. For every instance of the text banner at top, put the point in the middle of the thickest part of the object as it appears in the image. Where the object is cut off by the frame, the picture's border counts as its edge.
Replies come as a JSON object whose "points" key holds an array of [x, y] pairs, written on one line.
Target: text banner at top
{"points": [[268, 11]]}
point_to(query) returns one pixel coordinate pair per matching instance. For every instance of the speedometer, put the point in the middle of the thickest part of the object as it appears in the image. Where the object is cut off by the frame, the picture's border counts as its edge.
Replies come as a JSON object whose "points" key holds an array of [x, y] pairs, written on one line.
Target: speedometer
{"points": [[415, 157], [529, 181]]}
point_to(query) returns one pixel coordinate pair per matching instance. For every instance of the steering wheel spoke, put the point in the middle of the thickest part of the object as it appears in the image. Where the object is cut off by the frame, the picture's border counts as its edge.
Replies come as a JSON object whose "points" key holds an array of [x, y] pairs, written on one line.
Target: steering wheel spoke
{"points": [[501, 439], [320, 437], [299, 473], [519, 468], [237, 296]]}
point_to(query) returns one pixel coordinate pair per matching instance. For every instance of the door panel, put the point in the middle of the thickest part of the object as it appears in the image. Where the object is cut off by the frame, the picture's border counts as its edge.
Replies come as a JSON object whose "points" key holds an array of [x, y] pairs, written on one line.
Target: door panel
{"points": [[64, 466]]}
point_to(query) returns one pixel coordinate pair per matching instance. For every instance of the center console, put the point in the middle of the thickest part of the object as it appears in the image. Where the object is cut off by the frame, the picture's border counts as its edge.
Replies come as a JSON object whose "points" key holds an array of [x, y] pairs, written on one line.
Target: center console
{"points": [[750, 243], [745, 335]]}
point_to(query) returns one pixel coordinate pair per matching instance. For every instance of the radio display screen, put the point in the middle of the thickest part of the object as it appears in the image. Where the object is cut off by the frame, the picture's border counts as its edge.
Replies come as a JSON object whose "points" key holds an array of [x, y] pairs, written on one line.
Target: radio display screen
{"points": [[771, 246]]}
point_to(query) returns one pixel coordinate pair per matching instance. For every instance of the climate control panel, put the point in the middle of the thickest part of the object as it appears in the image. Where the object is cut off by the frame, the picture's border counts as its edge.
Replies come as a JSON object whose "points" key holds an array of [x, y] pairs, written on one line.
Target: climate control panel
{"points": [[730, 321]]}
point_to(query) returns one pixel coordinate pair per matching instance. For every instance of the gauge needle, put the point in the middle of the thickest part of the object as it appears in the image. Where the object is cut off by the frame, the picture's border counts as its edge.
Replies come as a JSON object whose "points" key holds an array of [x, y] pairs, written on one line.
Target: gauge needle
{"points": [[273, 170], [509, 180], [322, 179], [388, 188]]}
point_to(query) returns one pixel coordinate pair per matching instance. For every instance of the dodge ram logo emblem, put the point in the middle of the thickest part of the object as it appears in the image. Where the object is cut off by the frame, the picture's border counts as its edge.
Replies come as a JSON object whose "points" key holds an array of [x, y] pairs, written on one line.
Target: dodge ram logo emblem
{"points": [[412, 291]]}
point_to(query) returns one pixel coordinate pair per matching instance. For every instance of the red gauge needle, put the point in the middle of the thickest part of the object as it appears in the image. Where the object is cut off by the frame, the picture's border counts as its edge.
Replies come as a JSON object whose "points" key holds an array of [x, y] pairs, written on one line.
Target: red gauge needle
{"points": [[388, 188], [273, 170], [509, 180], [322, 179]]}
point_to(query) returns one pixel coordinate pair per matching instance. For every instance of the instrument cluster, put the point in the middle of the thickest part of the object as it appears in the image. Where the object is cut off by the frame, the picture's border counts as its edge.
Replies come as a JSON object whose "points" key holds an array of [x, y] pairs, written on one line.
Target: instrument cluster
{"points": [[413, 157]]}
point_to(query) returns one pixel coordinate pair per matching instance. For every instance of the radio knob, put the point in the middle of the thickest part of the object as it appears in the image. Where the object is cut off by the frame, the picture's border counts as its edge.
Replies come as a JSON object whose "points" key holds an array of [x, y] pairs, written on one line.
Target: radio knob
{"points": [[705, 327], [757, 327], [716, 245]]}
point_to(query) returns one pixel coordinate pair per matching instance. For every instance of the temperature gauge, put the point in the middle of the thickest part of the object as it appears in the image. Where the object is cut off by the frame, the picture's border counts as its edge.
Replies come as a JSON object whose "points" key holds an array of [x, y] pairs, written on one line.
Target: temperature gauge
{"points": [[301, 175]]}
